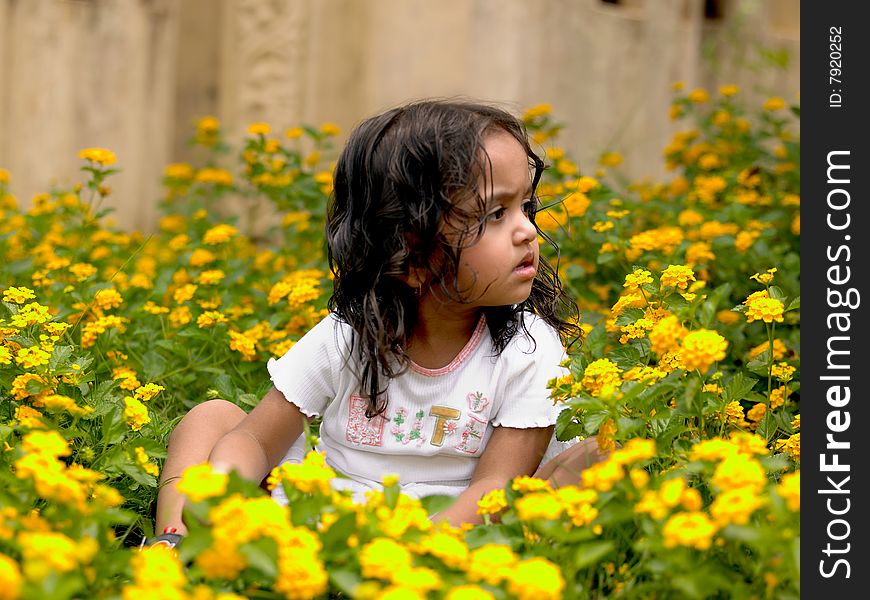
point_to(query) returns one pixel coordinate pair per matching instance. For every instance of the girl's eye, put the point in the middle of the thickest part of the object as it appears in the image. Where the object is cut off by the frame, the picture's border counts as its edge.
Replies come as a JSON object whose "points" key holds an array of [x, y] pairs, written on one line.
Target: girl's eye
{"points": [[530, 207], [496, 215]]}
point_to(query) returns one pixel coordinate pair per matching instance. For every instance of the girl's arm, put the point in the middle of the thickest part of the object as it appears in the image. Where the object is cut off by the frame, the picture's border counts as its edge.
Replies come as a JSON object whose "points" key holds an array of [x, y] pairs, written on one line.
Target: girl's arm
{"points": [[509, 453], [261, 439]]}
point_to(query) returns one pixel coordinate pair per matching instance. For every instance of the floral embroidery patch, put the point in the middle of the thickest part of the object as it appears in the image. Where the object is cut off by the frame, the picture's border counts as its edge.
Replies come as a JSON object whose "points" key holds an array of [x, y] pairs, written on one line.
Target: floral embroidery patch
{"points": [[472, 435], [477, 402], [401, 434], [360, 429]]}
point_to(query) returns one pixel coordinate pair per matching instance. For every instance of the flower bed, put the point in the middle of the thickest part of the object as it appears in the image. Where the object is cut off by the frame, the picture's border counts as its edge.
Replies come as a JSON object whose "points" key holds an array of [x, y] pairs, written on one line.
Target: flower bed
{"points": [[688, 377]]}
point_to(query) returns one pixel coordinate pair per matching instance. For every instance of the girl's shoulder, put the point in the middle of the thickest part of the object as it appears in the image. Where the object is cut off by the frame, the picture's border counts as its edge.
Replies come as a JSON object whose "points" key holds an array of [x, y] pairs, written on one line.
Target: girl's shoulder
{"points": [[533, 334], [330, 335]]}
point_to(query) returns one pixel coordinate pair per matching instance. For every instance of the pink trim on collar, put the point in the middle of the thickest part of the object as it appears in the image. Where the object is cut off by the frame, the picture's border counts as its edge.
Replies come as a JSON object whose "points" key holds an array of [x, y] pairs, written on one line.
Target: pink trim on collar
{"points": [[470, 347]]}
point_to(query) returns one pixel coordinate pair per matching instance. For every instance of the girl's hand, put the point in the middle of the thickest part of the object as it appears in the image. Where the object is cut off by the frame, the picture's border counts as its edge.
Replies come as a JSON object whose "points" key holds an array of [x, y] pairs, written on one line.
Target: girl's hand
{"points": [[509, 453]]}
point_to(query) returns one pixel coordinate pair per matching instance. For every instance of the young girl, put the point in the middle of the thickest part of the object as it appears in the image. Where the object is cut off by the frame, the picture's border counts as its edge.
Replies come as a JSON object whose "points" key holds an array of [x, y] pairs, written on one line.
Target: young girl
{"points": [[444, 327]]}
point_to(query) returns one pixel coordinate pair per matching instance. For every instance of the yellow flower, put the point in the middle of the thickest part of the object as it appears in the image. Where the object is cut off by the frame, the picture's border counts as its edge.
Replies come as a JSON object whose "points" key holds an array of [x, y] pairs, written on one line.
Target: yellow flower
{"points": [[610, 159], [538, 110], [729, 90], [536, 579], [469, 592], [605, 437], [108, 298], [216, 176], [135, 413], [244, 345], [382, 558], [447, 548], [127, 377], [299, 288], [259, 129], [792, 446], [666, 335], [178, 171], [739, 470], [158, 571], [601, 376], [311, 476], [491, 563], [782, 371], [735, 506], [745, 239], [677, 276], [98, 155], [4, 176], [300, 574], [10, 578], [637, 279], [200, 482], [18, 295], [698, 96], [44, 553], [773, 104], [147, 391], [492, 502], [27, 358], [143, 461], [45, 443], [539, 505], [330, 129], [219, 234], [790, 489], [701, 348], [294, 132], [764, 309], [766, 277], [221, 561], [208, 124], [692, 529], [210, 277], [210, 318]]}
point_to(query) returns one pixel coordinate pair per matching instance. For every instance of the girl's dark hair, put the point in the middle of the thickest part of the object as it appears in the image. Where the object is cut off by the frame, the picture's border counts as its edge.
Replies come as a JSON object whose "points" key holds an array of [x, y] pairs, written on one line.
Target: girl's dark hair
{"points": [[400, 187]]}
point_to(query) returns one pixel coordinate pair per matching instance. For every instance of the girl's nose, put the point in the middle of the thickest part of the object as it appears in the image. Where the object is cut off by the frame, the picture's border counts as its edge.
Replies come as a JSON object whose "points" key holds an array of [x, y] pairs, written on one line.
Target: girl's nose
{"points": [[525, 231]]}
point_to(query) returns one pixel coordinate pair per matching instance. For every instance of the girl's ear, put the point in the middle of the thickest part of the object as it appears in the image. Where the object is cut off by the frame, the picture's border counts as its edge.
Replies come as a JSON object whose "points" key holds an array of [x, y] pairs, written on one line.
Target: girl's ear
{"points": [[415, 278]]}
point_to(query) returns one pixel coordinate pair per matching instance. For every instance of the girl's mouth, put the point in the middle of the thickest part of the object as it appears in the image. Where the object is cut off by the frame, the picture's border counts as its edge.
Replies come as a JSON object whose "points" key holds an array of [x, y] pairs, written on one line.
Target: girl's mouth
{"points": [[526, 269]]}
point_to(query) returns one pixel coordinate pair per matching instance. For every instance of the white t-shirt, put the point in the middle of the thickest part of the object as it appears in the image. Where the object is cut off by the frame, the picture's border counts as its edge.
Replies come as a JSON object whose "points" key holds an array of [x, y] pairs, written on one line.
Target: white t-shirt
{"points": [[437, 421]]}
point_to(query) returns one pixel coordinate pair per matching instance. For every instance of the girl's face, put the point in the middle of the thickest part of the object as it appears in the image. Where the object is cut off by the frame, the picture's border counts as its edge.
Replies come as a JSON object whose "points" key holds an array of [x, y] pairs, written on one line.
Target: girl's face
{"points": [[498, 269]]}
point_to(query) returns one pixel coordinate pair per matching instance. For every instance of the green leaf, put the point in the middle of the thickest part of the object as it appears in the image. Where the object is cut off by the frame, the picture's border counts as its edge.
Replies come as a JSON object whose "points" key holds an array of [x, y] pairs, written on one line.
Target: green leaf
{"points": [[566, 427], [492, 534], [248, 400], [593, 420], [592, 552], [628, 316], [262, 555], [738, 386], [707, 313], [794, 304], [337, 534], [346, 580], [137, 474], [436, 503], [776, 293], [224, 385], [59, 357]]}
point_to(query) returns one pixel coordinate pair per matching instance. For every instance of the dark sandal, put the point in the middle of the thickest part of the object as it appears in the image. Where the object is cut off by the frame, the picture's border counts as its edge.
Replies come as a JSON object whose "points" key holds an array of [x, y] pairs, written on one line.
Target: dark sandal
{"points": [[168, 538]]}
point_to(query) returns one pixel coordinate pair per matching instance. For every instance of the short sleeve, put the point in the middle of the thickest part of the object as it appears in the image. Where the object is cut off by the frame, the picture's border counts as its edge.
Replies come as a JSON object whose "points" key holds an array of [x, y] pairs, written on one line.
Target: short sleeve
{"points": [[529, 365], [306, 374]]}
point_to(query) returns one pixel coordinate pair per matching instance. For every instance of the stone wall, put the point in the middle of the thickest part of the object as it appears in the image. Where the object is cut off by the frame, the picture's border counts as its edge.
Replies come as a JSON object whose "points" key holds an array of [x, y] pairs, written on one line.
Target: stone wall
{"points": [[133, 75]]}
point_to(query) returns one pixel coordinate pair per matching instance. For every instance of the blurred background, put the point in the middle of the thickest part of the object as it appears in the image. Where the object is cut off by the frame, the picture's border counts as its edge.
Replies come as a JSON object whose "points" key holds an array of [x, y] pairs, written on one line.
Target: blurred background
{"points": [[134, 76]]}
